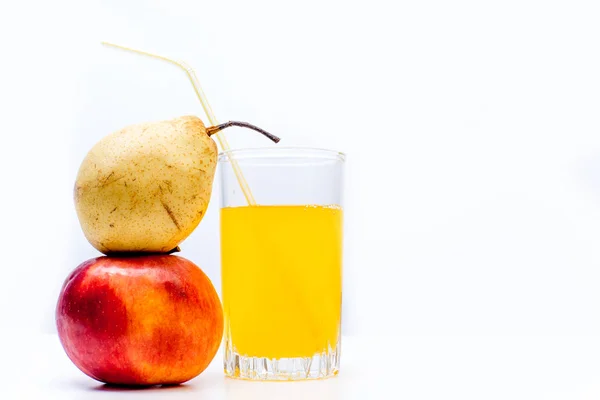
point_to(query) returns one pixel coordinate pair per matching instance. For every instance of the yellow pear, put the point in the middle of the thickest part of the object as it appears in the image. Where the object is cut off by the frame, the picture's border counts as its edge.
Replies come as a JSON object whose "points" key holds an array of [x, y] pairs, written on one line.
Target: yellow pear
{"points": [[146, 187]]}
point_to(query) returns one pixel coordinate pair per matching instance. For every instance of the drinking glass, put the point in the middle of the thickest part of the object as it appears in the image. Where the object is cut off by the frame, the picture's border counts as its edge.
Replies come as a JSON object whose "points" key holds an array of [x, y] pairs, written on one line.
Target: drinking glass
{"points": [[281, 262]]}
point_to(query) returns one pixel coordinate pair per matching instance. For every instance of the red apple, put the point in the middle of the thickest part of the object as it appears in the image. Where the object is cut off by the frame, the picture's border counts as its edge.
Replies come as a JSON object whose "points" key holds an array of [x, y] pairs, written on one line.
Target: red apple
{"points": [[145, 320]]}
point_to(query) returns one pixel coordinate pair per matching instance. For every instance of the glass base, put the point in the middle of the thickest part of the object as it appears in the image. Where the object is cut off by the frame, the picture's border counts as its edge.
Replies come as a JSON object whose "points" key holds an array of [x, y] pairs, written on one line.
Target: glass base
{"points": [[320, 366]]}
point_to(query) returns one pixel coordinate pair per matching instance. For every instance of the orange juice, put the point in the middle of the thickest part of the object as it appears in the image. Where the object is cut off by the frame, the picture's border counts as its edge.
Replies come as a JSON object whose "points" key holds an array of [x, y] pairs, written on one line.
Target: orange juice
{"points": [[282, 279]]}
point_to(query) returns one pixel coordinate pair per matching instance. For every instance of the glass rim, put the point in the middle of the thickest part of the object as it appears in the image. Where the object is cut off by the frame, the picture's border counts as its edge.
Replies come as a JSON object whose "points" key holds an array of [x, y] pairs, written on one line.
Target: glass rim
{"points": [[314, 153]]}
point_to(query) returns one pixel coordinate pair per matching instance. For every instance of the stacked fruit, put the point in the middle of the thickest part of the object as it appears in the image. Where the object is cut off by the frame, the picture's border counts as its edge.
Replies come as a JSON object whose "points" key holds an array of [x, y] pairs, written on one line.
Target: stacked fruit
{"points": [[139, 315]]}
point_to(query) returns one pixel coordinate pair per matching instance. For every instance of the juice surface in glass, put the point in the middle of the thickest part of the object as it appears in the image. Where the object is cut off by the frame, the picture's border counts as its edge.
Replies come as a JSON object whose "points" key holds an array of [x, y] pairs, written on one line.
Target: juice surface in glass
{"points": [[282, 279]]}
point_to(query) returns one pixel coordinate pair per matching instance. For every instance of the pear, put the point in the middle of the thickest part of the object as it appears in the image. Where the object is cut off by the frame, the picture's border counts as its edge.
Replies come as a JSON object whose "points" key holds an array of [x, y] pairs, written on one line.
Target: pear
{"points": [[146, 187]]}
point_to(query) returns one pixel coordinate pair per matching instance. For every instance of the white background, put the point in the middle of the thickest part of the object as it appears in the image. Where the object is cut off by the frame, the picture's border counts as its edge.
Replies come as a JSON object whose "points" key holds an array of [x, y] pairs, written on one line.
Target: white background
{"points": [[471, 128]]}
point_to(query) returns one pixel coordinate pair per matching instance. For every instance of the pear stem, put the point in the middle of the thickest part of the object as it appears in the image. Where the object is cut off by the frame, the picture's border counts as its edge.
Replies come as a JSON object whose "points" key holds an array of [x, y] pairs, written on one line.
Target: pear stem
{"points": [[214, 129]]}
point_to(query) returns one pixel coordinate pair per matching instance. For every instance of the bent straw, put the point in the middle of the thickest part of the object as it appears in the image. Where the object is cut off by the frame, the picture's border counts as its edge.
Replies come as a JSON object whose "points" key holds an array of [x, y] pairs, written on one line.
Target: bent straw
{"points": [[207, 110]]}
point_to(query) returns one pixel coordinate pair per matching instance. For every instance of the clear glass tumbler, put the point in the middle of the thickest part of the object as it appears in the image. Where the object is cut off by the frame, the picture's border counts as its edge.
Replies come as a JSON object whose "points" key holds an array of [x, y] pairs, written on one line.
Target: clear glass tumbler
{"points": [[281, 262]]}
